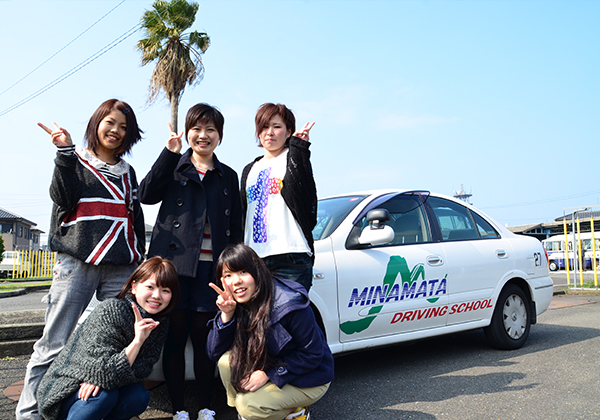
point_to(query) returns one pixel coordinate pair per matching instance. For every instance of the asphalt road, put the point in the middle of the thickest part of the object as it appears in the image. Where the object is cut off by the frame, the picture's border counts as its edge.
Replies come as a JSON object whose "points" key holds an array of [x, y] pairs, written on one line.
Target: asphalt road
{"points": [[29, 301], [554, 376]]}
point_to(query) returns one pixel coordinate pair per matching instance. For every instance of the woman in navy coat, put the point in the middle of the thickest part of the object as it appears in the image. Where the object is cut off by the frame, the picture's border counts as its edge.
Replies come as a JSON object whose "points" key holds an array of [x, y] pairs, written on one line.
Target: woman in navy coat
{"points": [[200, 214]]}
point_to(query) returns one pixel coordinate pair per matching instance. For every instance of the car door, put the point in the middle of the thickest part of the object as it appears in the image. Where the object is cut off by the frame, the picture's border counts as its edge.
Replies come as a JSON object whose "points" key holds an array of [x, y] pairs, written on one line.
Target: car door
{"points": [[396, 287], [477, 259]]}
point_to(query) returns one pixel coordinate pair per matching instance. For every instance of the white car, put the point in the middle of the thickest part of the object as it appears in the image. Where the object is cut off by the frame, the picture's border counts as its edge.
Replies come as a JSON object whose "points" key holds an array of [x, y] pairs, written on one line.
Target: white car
{"points": [[395, 266], [11, 263]]}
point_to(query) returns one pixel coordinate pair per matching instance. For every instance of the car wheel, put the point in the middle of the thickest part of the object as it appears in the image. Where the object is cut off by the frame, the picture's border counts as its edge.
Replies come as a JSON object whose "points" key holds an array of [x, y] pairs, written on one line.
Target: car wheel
{"points": [[553, 266], [510, 324]]}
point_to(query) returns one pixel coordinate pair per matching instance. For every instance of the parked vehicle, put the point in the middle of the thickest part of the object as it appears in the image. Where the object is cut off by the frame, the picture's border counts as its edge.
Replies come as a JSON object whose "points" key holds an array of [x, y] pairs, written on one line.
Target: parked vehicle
{"points": [[12, 263], [590, 253], [394, 266], [556, 250]]}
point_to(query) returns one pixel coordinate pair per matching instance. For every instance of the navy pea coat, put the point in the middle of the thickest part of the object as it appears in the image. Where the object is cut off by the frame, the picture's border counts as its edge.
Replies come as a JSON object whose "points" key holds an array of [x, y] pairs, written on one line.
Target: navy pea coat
{"points": [[186, 203]]}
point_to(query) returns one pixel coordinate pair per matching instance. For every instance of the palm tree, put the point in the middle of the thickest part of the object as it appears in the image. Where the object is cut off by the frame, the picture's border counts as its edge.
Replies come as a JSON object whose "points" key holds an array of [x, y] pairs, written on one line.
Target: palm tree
{"points": [[178, 55]]}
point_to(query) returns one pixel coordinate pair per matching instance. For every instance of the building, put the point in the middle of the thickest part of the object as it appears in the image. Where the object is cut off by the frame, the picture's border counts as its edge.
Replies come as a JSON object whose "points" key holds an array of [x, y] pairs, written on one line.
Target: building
{"points": [[545, 230], [18, 233]]}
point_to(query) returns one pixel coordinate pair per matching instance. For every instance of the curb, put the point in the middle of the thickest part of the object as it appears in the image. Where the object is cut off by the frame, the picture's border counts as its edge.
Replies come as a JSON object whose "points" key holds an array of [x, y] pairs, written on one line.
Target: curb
{"points": [[23, 291], [588, 292], [16, 292]]}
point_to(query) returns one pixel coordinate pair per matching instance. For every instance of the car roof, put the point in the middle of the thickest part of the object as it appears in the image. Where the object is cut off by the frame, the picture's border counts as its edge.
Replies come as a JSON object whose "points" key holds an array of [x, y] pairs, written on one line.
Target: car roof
{"points": [[383, 191]]}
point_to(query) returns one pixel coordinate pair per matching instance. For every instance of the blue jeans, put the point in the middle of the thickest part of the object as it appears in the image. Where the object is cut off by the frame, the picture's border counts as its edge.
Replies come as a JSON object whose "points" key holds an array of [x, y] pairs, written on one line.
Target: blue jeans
{"points": [[117, 404], [295, 266], [73, 285]]}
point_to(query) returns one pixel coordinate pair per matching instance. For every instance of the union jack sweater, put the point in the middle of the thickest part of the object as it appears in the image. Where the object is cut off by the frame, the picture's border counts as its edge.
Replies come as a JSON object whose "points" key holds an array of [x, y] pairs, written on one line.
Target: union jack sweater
{"points": [[96, 216]]}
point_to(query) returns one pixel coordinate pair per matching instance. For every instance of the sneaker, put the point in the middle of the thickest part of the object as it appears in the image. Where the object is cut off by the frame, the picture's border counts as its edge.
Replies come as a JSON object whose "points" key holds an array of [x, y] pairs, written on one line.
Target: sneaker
{"points": [[181, 415], [206, 414], [301, 413]]}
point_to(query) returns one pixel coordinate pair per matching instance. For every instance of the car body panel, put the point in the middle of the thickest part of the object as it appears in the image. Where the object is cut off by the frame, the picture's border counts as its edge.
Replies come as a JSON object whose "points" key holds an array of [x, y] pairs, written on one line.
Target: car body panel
{"points": [[369, 296]]}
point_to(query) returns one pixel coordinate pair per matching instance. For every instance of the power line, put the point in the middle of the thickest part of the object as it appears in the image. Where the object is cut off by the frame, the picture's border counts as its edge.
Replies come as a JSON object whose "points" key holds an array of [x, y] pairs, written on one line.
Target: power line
{"points": [[56, 53], [74, 70]]}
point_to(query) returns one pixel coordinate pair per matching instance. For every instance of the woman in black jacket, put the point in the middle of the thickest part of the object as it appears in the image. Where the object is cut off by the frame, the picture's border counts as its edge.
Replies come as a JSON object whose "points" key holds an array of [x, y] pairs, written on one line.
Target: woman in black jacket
{"points": [[279, 196], [200, 214]]}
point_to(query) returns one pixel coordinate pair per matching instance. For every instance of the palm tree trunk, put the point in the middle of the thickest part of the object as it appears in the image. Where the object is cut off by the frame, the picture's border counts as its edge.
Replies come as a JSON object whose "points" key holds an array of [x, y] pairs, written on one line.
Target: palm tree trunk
{"points": [[174, 102]]}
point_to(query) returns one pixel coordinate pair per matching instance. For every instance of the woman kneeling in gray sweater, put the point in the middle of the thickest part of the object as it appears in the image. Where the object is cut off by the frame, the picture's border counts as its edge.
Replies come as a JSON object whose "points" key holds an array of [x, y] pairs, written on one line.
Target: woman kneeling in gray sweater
{"points": [[98, 373]]}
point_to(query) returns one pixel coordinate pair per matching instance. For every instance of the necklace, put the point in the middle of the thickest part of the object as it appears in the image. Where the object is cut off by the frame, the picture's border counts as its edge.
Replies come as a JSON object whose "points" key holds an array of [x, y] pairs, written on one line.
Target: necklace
{"points": [[201, 168]]}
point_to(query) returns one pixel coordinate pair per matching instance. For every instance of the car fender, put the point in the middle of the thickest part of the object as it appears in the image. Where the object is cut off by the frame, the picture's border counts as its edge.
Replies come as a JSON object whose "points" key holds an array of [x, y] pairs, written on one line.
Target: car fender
{"points": [[538, 289]]}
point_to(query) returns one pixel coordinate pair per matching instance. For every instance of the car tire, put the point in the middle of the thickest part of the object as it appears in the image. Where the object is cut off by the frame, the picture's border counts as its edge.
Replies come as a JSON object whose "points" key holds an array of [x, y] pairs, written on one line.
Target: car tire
{"points": [[553, 266], [511, 320]]}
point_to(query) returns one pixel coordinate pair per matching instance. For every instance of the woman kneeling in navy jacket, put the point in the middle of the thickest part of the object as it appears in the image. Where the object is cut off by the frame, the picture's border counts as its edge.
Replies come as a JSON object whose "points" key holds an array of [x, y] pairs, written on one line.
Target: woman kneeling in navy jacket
{"points": [[272, 356]]}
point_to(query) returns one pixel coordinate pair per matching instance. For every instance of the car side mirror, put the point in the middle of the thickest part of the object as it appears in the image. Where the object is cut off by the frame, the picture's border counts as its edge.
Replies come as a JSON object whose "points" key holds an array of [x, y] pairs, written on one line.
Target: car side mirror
{"points": [[377, 232]]}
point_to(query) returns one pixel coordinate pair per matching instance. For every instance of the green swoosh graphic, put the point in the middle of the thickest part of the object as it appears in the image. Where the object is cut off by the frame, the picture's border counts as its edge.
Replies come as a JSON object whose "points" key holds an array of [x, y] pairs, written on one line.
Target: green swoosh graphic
{"points": [[396, 265]]}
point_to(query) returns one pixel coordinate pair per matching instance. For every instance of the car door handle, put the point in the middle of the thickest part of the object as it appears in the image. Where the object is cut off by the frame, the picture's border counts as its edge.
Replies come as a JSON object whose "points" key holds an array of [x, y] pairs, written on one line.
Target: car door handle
{"points": [[435, 260], [500, 253], [318, 276]]}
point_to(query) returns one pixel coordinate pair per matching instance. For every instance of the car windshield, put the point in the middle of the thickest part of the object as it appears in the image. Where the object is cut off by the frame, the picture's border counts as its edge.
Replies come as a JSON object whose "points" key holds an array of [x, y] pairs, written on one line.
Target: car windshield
{"points": [[331, 212]]}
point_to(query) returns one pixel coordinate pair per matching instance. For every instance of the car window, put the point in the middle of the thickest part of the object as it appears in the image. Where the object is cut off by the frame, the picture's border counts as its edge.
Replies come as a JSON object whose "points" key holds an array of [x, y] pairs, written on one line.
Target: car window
{"points": [[407, 218], [486, 231], [457, 222], [331, 212]]}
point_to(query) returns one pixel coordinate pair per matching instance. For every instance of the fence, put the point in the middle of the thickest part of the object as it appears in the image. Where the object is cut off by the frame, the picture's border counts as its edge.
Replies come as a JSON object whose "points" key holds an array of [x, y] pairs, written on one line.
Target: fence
{"points": [[28, 264], [593, 245]]}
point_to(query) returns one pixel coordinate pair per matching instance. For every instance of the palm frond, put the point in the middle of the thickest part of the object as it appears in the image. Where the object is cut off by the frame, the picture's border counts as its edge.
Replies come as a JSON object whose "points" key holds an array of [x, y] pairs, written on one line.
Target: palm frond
{"points": [[178, 55]]}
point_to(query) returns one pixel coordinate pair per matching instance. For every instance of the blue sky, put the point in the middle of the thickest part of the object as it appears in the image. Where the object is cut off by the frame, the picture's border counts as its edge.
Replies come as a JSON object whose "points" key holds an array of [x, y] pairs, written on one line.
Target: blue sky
{"points": [[499, 96]]}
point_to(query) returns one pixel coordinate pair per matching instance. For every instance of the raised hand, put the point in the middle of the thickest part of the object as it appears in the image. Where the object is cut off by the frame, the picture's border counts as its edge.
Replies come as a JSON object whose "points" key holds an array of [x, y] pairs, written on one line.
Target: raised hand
{"points": [[225, 301], [303, 132], [174, 142], [143, 326], [60, 136], [87, 390]]}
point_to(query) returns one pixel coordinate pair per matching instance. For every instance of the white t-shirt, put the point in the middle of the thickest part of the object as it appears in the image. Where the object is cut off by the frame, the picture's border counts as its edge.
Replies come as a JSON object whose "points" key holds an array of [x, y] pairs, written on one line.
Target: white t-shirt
{"points": [[270, 225]]}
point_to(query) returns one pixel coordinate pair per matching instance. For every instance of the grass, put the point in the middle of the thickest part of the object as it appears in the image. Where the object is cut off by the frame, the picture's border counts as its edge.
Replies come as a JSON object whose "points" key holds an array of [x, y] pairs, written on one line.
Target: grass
{"points": [[26, 279], [10, 287]]}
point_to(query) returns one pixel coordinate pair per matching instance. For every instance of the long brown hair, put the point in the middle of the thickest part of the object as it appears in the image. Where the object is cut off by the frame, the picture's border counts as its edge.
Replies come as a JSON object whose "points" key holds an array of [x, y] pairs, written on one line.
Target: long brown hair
{"points": [[249, 350], [165, 275]]}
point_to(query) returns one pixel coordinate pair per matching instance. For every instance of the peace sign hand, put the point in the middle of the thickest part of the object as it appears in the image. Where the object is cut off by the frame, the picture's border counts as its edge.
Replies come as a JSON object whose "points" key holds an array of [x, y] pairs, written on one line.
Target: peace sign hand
{"points": [[60, 136], [143, 326], [303, 133], [174, 142], [225, 301]]}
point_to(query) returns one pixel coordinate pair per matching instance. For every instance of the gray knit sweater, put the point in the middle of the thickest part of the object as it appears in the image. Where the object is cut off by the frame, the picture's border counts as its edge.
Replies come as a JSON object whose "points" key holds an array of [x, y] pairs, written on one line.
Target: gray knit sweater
{"points": [[95, 353]]}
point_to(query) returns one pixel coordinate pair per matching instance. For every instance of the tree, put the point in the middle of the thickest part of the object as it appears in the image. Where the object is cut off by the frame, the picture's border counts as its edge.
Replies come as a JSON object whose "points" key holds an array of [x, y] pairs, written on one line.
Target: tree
{"points": [[178, 55], [1, 248]]}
